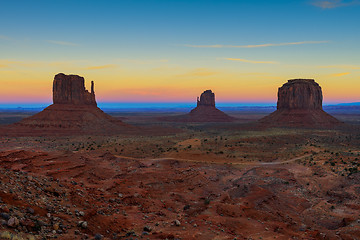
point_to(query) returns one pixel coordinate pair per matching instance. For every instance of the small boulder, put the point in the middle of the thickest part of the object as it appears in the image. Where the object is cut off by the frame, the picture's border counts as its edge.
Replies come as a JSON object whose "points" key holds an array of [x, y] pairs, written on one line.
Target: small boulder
{"points": [[13, 222]]}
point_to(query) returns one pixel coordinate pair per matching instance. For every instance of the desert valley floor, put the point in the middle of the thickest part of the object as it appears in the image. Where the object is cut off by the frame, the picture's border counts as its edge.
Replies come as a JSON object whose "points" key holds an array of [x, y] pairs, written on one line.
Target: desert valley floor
{"points": [[188, 181]]}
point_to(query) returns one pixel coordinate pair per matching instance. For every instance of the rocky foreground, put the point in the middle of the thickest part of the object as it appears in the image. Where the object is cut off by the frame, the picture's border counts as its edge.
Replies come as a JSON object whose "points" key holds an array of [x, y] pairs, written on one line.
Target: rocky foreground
{"points": [[99, 195]]}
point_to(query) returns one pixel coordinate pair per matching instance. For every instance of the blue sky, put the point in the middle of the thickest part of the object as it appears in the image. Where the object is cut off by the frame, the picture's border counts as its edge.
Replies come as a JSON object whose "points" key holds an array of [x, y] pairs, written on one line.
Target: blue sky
{"points": [[141, 50]]}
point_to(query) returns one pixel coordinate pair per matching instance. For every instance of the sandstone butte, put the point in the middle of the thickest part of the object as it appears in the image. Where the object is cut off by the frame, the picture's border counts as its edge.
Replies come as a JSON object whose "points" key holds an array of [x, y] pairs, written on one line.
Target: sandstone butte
{"points": [[70, 89], [74, 110], [205, 111], [300, 105]]}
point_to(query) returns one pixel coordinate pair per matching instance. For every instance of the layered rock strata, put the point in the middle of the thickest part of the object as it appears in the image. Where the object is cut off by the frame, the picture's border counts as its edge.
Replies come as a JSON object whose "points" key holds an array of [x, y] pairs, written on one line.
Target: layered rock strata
{"points": [[70, 89], [300, 104]]}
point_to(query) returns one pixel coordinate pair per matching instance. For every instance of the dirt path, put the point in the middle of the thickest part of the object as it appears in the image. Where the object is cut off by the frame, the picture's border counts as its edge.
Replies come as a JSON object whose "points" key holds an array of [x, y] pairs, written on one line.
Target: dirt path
{"points": [[232, 163], [287, 161]]}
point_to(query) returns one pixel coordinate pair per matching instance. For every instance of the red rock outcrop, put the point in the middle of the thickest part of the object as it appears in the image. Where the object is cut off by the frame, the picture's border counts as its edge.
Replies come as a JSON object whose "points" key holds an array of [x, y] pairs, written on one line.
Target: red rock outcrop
{"points": [[204, 112], [300, 105], [300, 94], [70, 89], [74, 112], [207, 98]]}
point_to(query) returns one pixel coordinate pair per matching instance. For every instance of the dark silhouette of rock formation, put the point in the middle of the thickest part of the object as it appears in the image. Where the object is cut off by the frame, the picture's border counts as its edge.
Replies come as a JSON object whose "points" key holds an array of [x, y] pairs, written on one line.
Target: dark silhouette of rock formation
{"points": [[300, 104], [207, 98], [74, 111], [70, 89], [204, 112]]}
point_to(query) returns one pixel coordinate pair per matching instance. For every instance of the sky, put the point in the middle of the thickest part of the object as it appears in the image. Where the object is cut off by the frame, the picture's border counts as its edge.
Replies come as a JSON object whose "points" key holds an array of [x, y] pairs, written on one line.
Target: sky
{"points": [[173, 50]]}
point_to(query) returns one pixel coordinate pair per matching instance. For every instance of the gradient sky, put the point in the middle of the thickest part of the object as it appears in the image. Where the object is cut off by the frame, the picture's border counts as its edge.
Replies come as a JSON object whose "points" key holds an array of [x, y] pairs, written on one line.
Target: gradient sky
{"points": [[171, 51]]}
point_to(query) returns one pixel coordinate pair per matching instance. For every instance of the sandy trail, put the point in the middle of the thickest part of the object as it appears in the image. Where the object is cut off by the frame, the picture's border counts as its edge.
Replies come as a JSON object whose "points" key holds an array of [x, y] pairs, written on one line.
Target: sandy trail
{"points": [[287, 161], [276, 162]]}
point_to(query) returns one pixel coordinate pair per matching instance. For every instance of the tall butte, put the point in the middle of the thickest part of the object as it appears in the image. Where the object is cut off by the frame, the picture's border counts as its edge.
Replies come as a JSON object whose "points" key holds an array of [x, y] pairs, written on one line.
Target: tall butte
{"points": [[300, 105], [70, 89], [205, 111], [74, 110]]}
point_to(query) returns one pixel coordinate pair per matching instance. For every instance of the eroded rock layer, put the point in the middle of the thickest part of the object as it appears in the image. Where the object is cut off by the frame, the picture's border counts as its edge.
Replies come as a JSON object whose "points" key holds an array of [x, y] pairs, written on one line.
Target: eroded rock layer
{"points": [[74, 112], [300, 105], [71, 118], [300, 94], [70, 89], [207, 98], [204, 112]]}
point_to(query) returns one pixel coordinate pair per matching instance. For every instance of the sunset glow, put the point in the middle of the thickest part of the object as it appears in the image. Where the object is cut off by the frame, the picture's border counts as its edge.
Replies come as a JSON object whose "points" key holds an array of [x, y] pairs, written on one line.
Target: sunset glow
{"points": [[162, 56]]}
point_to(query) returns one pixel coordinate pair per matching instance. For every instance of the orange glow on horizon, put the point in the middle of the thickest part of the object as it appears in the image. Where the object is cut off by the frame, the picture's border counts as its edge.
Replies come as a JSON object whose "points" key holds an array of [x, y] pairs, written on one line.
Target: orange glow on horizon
{"points": [[23, 82]]}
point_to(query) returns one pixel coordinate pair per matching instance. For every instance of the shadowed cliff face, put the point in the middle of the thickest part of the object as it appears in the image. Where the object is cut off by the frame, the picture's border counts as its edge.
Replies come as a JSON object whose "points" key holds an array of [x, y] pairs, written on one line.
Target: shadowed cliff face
{"points": [[300, 105], [300, 94], [207, 98], [70, 89]]}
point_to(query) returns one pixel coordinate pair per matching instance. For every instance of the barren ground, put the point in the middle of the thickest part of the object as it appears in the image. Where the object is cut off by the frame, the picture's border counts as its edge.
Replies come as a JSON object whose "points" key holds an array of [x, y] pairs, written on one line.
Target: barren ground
{"points": [[208, 181]]}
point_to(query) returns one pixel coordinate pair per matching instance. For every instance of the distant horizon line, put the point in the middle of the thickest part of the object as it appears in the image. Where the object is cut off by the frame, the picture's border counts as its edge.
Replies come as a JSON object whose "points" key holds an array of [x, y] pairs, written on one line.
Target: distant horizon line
{"points": [[158, 104]]}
